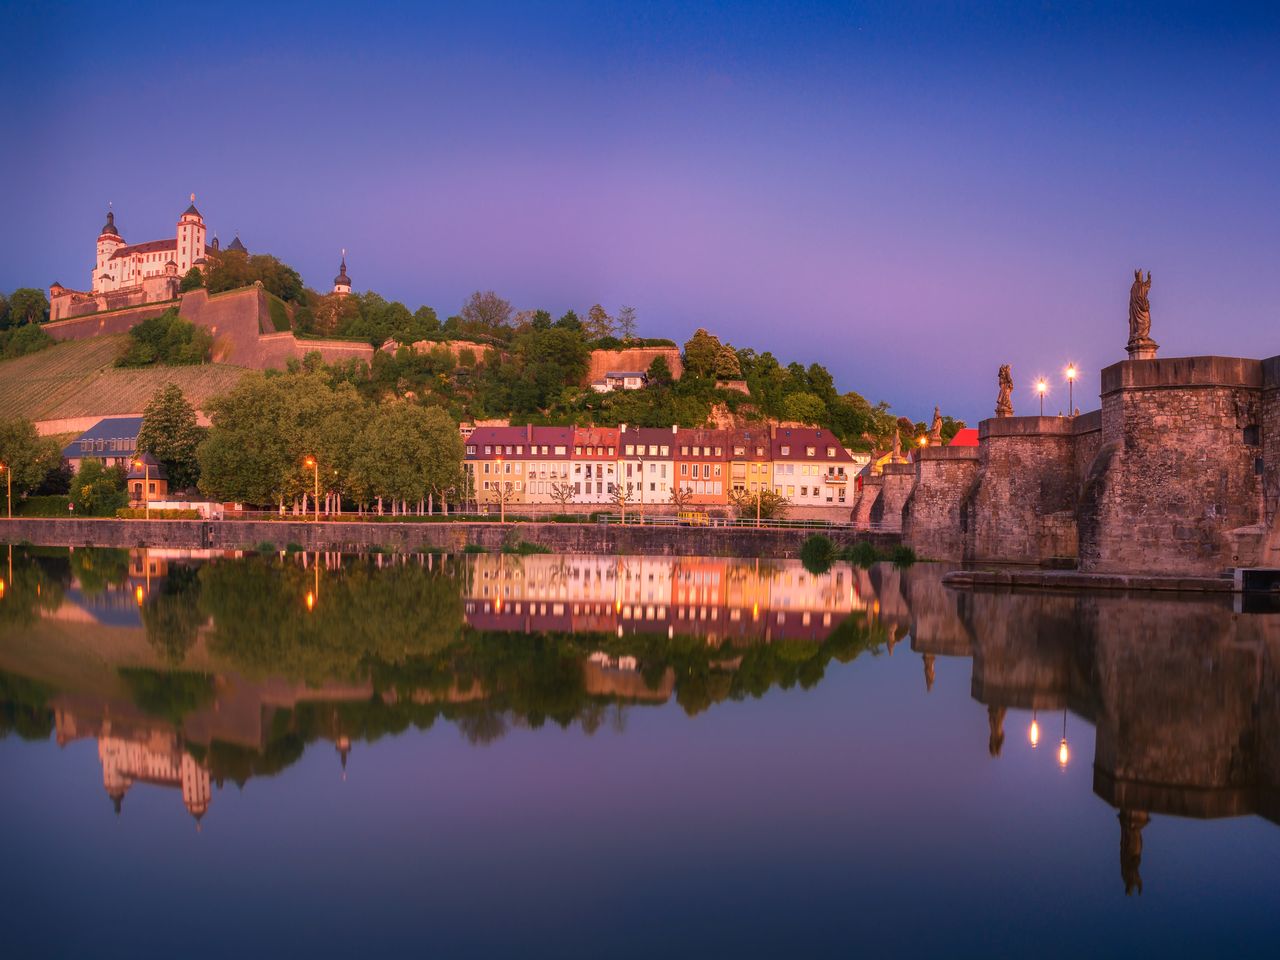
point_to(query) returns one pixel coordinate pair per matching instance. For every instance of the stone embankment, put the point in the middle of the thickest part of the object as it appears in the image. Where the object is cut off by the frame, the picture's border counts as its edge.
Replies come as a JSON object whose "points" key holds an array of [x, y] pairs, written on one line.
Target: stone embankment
{"points": [[451, 537]]}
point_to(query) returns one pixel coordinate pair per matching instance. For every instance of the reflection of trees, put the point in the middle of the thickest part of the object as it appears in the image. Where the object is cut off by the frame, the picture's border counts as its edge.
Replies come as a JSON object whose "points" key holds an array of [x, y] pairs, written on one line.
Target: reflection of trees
{"points": [[172, 615], [24, 707], [96, 568], [363, 614], [37, 584], [169, 694]]}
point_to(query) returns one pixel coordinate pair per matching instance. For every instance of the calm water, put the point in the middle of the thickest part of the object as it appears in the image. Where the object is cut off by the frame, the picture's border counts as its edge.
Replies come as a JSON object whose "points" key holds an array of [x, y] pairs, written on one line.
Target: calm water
{"points": [[585, 756]]}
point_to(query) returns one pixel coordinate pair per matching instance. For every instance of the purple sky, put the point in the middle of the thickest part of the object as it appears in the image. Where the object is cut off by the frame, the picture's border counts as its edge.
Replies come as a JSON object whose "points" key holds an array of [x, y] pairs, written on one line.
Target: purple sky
{"points": [[910, 194]]}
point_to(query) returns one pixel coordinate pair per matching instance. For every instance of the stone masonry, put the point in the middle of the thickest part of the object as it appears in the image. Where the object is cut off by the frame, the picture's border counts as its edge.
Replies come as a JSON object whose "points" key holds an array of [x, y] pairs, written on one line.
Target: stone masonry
{"points": [[931, 515], [896, 482]]}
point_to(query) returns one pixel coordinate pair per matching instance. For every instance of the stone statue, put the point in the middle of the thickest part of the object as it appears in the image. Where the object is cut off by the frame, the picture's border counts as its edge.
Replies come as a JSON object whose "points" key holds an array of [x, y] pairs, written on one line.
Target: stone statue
{"points": [[897, 446], [935, 430], [1140, 346], [1004, 403]]}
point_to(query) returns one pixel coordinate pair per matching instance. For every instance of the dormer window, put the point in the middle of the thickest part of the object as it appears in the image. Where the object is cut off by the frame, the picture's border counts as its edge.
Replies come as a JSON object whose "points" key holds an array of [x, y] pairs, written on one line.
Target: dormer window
{"points": [[785, 451]]}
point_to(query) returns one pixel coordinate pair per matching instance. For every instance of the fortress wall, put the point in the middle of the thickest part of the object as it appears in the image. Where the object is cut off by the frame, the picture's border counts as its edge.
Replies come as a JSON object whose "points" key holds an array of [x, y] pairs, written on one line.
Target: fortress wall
{"points": [[895, 487], [102, 324], [871, 486], [1174, 474], [1021, 508], [1088, 433], [931, 522], [633, 358]]}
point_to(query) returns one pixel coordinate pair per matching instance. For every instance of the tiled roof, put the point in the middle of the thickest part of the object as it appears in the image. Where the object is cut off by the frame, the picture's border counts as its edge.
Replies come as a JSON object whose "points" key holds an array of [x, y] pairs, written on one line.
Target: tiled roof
{"points": [[522, 438], [968, 437], [797, 439], [151, 246], [109, 428]]}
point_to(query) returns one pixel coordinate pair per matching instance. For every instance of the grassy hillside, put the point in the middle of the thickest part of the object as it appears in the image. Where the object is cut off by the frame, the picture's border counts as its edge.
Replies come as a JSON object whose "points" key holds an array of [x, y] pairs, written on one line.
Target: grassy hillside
{"points": [[78, 379]]}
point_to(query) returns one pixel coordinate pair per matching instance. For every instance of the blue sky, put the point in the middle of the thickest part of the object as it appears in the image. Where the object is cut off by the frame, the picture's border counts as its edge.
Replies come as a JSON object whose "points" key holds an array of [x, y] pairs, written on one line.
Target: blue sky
{"points": [[911, 194]]}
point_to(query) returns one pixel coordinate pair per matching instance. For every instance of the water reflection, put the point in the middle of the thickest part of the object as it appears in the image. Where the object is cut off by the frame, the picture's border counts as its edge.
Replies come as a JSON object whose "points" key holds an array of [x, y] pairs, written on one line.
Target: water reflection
{"points": [[191, 671]]}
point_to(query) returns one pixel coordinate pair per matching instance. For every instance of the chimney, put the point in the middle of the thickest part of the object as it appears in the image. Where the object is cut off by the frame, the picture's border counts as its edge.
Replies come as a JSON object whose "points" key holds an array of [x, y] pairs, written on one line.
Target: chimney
{"points": [[673, 428], [528, 432], [622, 428]]}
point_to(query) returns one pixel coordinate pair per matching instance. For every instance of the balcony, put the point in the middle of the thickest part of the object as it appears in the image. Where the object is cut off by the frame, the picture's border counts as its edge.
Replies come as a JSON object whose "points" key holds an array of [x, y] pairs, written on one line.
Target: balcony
{"points": [[836, 478]]}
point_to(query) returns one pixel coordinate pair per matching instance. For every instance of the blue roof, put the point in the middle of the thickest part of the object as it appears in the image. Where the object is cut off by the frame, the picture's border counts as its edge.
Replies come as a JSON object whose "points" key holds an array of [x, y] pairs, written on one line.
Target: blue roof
{"points": [[108, 428]]}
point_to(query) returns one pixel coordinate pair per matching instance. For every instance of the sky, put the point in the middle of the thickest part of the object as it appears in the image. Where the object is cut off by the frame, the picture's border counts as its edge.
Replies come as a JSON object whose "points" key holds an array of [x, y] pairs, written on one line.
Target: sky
{"points": [[909, 193]]}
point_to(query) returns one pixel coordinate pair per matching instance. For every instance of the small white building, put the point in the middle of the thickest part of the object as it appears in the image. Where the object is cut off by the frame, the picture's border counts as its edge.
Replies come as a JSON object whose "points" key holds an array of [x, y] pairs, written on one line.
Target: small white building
{"points": [[621, 380]]}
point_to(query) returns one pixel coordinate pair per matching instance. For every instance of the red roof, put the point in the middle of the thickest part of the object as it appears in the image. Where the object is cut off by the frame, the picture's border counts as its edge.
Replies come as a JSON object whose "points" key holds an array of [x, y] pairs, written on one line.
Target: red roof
{"points": [[967, 437], [798, 440], [521, 440]]}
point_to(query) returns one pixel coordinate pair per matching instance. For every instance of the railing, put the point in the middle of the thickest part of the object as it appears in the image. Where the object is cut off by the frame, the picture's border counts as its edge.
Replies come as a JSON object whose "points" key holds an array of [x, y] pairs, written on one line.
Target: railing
{"points": [[635, 519]]}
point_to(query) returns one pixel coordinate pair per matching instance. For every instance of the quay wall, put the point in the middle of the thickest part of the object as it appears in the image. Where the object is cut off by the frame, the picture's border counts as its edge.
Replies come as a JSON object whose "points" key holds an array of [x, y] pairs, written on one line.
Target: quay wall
{"points": [[895, 486], [931, 519], [453, 537]]}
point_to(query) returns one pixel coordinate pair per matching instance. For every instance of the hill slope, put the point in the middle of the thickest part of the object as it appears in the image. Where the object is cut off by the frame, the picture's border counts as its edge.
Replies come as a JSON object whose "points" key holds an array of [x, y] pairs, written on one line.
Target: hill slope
{"points": [[77, 379]]}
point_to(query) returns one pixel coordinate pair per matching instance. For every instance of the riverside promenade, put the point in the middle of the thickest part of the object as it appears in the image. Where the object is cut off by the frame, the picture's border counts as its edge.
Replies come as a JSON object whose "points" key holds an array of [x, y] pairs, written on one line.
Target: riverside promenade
{"points": [[410, 537]]}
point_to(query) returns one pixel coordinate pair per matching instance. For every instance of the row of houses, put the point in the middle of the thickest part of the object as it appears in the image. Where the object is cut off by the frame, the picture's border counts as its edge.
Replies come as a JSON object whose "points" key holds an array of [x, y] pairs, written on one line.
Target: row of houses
{"points": [[587, 465]]}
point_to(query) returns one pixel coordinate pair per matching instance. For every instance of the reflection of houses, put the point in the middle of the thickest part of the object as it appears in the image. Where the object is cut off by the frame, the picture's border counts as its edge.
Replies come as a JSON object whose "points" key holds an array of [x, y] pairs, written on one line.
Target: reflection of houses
{"points": [[716, 598]]}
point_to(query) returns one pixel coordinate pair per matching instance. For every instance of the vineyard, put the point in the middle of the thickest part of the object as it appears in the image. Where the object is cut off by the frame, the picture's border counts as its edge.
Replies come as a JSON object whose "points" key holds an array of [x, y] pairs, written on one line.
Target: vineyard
{"points": [[77, 379]]}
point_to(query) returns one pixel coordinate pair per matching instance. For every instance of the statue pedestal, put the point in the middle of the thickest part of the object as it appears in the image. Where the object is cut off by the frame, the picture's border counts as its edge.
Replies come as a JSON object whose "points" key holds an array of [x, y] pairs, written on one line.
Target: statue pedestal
{"points": [[1144, 349]]}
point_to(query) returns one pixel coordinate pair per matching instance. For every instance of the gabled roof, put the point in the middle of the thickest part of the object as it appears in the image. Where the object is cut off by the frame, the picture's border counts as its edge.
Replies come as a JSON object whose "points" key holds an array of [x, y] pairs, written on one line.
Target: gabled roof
{"points": [[968, 437], [150, 246], [520, 437], [108, 428]]}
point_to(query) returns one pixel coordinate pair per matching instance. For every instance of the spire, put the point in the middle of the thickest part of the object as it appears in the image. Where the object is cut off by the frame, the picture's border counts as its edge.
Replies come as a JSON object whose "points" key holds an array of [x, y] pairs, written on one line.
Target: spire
{"points": [[191, 211], [110, 227], [342, 282]]}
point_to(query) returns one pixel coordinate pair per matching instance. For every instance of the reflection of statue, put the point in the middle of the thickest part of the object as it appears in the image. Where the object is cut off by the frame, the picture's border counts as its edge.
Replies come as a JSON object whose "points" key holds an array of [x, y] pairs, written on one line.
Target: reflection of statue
{"points": [[995, 719], [1131, 824], [1004, 403], [928, 672], [1140, 346], [935, 431]]}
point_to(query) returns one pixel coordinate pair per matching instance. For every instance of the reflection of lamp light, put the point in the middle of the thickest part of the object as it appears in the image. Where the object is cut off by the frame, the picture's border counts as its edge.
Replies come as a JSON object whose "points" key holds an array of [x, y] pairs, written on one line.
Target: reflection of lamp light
{"points": [[1033, 734], [311, 601], [138, 594], [1063, 753]]}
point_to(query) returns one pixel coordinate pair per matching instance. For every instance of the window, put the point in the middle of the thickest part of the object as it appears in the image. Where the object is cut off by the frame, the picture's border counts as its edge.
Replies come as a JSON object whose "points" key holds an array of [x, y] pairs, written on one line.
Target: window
{"points": [[684, 469], [804, 491], [684, 451], [717, 469], [611, 449], [706, 470], [560, 450], [577, 451], [719, 451], [809, 451], [630, 448], [665, 450], [471, 449], [831, 451], [486, 468], [739, 451], [786, 451], [508, 449]]}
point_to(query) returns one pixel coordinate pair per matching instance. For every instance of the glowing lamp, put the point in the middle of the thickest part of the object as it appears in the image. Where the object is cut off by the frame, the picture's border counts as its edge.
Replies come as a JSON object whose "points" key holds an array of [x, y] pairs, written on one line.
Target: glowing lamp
{"points": [[138, 595], [1063, 753]]}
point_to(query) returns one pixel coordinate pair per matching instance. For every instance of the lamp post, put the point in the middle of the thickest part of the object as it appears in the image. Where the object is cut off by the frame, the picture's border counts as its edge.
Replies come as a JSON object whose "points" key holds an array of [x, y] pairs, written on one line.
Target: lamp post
{"points": [[8, 489], [1071, 389], [314, 464], [1042, 386], [146, 486], [1063, 753]]}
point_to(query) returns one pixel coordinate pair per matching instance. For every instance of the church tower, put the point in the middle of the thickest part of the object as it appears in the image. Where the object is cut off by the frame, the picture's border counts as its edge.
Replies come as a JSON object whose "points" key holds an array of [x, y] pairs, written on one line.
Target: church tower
{"points": [[109, 241], [190, 238], [342, 283]]}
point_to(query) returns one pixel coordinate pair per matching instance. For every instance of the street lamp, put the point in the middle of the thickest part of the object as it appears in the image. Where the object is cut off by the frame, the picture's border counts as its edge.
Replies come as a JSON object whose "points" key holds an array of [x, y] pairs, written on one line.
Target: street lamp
{"points": [[1042, 387], [1063, 753], [315, 465], [8, 488], [1071, 389], [146, 485]]}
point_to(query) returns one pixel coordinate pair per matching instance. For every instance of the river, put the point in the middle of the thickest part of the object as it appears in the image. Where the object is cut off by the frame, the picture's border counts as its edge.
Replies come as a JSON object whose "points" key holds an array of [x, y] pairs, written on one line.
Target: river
{"points": [[547, 755]]}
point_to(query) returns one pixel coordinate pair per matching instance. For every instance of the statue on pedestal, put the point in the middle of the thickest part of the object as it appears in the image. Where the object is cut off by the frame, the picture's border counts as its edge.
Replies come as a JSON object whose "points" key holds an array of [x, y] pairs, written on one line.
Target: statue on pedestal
{"points": [[1004, 402], [1140, 346], [897, 446], [935, 430]]}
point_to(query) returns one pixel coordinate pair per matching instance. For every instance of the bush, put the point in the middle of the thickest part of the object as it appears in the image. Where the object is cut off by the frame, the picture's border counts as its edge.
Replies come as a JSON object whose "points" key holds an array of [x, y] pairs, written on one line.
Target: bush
{"points": [[817, 553], [862, 554], [166, 339], [474, 548], [140, 513], [902, 556], [20, 341], [52, 505], [524, 548], [266, 546]]}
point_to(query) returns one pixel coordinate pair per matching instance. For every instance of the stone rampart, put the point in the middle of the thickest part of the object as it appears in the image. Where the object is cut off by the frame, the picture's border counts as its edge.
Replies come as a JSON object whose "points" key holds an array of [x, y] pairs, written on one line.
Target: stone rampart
{"points": [[1172, 488], [931, 516], [866, 499], [896, 482], [453, 537], [633, 358], [102, 324], [1021, 506]]}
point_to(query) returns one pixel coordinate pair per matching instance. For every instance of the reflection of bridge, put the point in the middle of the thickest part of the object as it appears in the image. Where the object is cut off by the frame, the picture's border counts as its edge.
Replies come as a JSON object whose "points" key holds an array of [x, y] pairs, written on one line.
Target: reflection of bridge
{"points": [[715, 598], [1185, 698]]}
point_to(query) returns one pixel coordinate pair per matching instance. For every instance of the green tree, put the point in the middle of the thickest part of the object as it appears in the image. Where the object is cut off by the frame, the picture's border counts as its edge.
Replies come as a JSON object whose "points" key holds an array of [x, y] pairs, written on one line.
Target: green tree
{"points": [[20, 341], [701, 353], [599, 324], [805, 408], [485, 309], [660, 372], [4, 311], [98, 491], [193, 279], [170, 434], [28, 305], [28, 458], [627, 323]]}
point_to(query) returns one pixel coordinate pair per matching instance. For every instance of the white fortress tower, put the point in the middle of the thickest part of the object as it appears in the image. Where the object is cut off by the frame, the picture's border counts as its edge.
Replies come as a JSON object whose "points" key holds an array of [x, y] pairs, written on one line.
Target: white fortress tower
{"points": [[342, 283], [121, 266]]}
